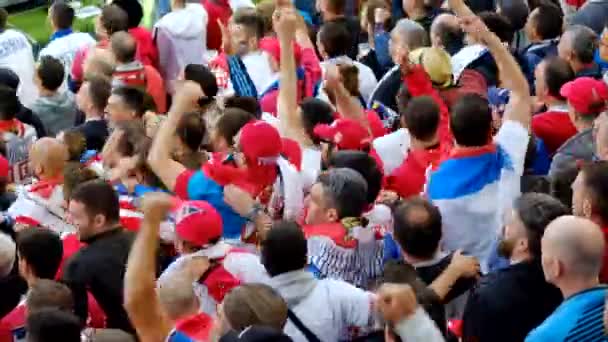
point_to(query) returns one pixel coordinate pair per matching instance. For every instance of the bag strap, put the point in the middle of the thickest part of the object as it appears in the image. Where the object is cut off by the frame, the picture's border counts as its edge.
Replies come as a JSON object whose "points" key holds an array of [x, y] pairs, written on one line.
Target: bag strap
{"points": [[310, 336]]}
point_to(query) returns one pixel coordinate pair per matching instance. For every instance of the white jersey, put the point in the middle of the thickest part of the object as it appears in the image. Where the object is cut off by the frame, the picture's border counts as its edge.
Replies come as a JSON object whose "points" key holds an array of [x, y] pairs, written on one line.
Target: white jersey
{"points": [[16, 54], [65, 48], [18, 146]]}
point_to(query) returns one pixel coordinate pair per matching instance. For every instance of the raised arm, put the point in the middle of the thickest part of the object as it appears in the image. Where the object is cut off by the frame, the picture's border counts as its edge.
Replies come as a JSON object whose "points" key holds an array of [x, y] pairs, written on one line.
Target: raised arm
{"points": [[519, 107], [284, 20], [141, 299], [460, 8], [346, 104], [159, 158]]}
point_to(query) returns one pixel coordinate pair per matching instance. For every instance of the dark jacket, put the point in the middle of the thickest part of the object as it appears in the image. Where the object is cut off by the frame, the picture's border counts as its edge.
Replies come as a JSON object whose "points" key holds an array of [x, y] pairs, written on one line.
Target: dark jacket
{"points": [[507, 304], [26, 116], [100, 268], [534, 54], [593, 71], [387, 89]]}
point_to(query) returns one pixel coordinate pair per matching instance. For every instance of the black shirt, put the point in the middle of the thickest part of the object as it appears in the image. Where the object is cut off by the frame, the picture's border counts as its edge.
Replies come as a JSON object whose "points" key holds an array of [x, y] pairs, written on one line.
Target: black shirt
{"points": [[26, 116], [100, 268], [507, 304], [95, 133]]}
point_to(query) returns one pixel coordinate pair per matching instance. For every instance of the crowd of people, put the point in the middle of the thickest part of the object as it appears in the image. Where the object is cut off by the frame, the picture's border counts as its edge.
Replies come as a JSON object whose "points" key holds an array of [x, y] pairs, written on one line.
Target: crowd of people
{"points": [[329, 170]]}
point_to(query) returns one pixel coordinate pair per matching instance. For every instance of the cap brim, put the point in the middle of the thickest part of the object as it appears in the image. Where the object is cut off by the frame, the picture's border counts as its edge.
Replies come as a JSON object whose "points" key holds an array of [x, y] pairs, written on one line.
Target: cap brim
{"points": [[324, 132]]}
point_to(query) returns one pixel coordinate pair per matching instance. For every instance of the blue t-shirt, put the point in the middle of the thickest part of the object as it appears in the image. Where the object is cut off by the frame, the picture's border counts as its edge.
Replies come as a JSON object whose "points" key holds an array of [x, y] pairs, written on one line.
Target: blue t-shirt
{"points": [[579, 318]]}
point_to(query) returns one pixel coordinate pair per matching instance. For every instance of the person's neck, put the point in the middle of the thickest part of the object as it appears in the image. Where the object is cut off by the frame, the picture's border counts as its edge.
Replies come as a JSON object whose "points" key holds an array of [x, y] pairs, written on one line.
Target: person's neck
{"points": [[417, 13], [417, 144], [582, 125], [517, 258], [328, 16], [30, 280], [412, 260], [578, 66], [46, 93], [570, 287], [93, 115], [551, 101]]}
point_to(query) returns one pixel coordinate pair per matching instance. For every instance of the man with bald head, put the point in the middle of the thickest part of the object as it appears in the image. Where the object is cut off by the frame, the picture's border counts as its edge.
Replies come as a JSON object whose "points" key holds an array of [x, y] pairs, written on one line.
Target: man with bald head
{"points": [[572, 252], [41, 203], [132, 73], [447, 34]]}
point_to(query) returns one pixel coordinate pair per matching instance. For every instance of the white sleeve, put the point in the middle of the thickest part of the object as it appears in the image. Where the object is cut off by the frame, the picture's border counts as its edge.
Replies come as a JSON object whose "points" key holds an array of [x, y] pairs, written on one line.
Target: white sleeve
{"points": [[418, 328], [246, 267], [513, 137], [355, 304]]}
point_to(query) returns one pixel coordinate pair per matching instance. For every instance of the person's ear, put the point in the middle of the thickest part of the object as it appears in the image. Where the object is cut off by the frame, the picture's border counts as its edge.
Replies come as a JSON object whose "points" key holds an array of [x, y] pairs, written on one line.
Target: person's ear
{"points": [[332, 215], [99, 221]]}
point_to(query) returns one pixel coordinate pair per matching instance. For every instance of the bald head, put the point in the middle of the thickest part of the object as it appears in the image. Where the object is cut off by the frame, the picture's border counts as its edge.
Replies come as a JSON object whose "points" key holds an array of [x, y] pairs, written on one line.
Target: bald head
{"points": [[99, 62], [446, 32], [123, 46], [48, 157], [577, 243]]}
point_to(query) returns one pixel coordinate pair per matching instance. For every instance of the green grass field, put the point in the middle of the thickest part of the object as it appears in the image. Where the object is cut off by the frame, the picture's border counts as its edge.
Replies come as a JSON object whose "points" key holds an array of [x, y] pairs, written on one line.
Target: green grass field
{"points": [[33, 22]]}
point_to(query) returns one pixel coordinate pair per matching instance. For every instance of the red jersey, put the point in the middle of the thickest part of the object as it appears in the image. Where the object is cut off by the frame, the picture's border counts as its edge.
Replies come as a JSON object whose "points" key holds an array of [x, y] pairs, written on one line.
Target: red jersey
{"points": [[554, 127], [216, 9]]}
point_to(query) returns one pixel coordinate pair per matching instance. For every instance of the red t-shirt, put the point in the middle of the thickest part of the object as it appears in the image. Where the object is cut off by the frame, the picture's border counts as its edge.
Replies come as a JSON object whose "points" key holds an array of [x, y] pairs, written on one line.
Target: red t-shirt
{"points": [[216, 9], [604, 271], [554, 128], [146, 50], [409, 178]]}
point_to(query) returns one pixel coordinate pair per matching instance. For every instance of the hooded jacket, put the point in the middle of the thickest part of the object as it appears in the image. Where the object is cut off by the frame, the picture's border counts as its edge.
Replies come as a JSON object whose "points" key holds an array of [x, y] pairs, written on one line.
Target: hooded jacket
{"points": [[181, 38], [56, 112], [326, 307]]}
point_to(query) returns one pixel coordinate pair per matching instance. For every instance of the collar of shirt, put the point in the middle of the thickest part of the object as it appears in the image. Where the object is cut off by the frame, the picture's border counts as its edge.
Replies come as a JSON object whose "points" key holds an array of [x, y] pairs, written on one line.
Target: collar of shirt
{"points": [[562, 107], [60, 33], [117, 229]]}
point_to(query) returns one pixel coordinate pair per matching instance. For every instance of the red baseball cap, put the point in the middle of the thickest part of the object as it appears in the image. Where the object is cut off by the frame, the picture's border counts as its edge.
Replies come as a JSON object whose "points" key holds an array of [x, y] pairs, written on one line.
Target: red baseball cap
{"points": [[197, 222], [4, 167], [272, 46], [260, 142], [346, 134], [586, 95]]}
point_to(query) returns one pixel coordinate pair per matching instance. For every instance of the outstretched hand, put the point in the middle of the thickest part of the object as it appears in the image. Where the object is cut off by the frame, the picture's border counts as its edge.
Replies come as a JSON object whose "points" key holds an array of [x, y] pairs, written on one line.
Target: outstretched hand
{"points": [[475, 27], [285, 21]]}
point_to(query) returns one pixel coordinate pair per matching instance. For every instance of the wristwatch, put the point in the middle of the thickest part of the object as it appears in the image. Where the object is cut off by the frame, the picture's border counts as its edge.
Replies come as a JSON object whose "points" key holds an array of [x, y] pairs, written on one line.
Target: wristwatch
{"points": [[255, 211]]}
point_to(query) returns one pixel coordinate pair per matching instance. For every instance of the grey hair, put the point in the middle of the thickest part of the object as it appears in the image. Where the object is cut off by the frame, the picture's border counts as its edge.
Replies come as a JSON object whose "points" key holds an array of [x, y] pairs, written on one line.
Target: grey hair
{"points": [[177, 296], [8, 251], [415, 35], [583, 42], [346, 190]]}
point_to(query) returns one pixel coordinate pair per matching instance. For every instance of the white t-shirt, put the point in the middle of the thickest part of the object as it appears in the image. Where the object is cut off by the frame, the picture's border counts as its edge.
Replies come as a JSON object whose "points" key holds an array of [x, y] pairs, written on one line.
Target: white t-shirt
{"points": [[16, 54], [392, 149], [367, 79], [65, 48]]}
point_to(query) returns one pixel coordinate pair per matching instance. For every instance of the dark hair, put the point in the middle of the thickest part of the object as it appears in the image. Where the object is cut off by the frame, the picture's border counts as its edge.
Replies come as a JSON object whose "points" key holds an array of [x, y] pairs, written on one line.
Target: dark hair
{"points": [[231, 122], [124, 47], [561, 184], [133, 135], [204, 77], [516, 11], [42, 250], [284, 249], [98, 198], [133, 9], [536, 211], [75, 174], [584, 43], [471, 120], [99, 91], [9, 106], [51, 72], [113, 19], [3, 18], [337, 6], [421, 117], [133, 98], [499, 24], [363, 163], [51, 325], [191, 130], [557, 73], [250, 20], [335, 39], [315, 112], [417, 227], [596, 182], [548, 21], [49, 294], [451, 36], [247, 103], [62, 15], [345, 190], [76, 143]]}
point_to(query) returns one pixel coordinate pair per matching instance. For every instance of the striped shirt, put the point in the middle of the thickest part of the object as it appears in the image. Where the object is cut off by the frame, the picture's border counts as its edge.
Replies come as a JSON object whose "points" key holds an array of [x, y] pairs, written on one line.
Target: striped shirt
{"points": [[579, 318]]}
